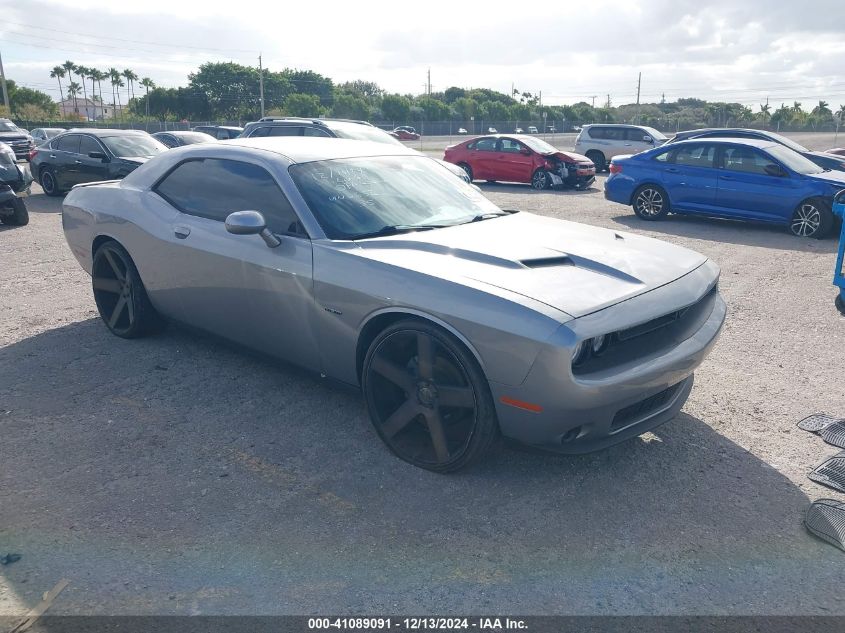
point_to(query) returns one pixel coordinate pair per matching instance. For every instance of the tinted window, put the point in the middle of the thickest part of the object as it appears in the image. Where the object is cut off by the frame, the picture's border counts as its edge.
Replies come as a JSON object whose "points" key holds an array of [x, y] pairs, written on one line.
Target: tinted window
{"points": [[636, 134], [315, 131], [511, 146], [133, 145], [213, 188], [695, 155], [88, 144], [260, 132], [485, 145], [746, 160], [285, 130], [609, 133], [69, 143]]}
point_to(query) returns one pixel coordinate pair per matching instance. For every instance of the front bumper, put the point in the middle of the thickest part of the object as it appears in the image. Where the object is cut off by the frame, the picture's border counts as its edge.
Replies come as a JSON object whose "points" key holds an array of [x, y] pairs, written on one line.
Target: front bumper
{"points": [[586, 412]]}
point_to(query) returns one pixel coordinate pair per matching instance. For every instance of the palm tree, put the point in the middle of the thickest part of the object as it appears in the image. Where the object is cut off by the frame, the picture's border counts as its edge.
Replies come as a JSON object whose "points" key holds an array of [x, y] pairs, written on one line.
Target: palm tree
{"points": [[69, 67], [100, 75], [81, 71], [73, 91], [148, 85], [131, 78], [765, 111], [57, 73], [90, 73], [114, 75]]}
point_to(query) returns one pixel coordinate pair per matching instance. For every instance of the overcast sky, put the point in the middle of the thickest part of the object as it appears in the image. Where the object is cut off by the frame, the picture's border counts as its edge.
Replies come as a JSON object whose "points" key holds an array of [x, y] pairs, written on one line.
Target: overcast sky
{"points": [[737, 50]]}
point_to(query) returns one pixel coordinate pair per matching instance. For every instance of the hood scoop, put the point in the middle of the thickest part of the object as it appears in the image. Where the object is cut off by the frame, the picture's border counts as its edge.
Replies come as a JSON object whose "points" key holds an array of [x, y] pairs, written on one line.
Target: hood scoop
{"points": [[547, 262]]}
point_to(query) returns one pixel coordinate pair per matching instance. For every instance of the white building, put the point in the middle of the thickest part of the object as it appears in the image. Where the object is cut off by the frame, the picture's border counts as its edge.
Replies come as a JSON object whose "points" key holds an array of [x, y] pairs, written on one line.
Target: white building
{"points": [[88, 108]]}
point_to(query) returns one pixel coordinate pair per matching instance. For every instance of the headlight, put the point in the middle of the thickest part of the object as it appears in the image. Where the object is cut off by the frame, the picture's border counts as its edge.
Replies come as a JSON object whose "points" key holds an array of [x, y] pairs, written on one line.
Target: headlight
{"points": [[599, 343], [581, 352]]}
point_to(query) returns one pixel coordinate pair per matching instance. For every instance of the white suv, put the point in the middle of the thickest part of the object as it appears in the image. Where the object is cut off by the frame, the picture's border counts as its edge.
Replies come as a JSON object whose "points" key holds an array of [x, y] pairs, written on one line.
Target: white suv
{"points": [[600, 143]]}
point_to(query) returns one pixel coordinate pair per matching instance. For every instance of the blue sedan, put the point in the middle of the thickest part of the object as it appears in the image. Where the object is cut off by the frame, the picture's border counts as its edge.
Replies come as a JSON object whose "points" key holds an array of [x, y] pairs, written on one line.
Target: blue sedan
{"points": [[740, 179]]}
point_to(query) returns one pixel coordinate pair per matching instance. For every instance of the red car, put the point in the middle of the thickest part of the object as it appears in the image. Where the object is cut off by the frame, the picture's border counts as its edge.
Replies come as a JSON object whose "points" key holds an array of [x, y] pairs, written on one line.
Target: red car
{"points": [[518, 158], [405, 134]]}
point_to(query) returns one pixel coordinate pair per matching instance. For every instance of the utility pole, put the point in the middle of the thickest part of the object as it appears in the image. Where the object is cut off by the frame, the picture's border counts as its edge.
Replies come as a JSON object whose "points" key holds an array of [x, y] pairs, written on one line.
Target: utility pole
{"points": [[261, 83], [5, 90], [594, 100], [429, 82], [639, 83]]}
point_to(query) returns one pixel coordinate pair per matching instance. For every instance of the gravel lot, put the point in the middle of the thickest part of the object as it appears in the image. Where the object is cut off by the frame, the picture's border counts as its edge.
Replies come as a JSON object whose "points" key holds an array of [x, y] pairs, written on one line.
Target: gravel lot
{"points": [[177, 474]]}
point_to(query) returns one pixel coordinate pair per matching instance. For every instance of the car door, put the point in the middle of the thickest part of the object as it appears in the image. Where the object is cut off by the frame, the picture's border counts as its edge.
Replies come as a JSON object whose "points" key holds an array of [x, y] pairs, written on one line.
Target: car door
{"points": [[635, 140], [745, 188], [235, 285], [512, 164], [482, 158], [90, 169], [62, 160], [690, 176]]}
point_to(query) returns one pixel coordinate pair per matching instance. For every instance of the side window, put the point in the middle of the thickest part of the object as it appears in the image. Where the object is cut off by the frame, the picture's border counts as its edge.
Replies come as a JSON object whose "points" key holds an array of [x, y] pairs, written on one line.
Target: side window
{"points": [[635, 134], [746, 160], [314, 131], [260, 132], [286, 130], [222, 135], [663, 157], [697, 155], [88, 144], [511, 146], [69, 143], [213, 188], [485, 145], [596, 132]]}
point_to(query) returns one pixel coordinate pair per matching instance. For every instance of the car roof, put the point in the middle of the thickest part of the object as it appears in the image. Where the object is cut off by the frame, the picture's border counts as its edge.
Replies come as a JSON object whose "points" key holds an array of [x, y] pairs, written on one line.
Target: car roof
{"points": [[100, 132], [216, 127], [305, 149], [709, 130], [753, 142]]}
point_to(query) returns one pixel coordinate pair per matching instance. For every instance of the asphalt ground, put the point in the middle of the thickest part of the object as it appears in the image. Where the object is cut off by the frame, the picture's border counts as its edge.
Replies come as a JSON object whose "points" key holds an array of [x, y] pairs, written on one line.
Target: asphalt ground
{"points": [[179, 475]]}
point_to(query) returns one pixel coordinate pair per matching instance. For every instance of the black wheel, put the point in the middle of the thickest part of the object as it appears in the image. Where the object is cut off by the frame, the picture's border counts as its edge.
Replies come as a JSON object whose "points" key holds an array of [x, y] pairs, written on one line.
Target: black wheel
{"points": [[840, 304], [467, 169], [48, 182], [812, 218], [120, 295], [427, 397], [19, 216], [598, 159], [540, 180], [650, 202]]}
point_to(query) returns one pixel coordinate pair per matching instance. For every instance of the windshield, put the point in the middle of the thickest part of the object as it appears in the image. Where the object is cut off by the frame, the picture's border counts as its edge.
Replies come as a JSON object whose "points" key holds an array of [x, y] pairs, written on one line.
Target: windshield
{"points": [[657, 136], [133, 146], [793, 160], [191, 138], [8, 126], [355, 197], [777, 138], [360, 132], [538, 145]]}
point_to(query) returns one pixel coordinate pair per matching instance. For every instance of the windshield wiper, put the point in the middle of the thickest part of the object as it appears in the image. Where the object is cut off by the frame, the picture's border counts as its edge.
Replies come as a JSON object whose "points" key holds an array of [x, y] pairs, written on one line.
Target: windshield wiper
{"points": [[492, 214], [397, 229]]}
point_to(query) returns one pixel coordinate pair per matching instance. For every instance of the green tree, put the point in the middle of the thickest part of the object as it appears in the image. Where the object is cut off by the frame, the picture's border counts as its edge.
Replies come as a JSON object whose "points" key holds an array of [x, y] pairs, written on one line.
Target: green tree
{"points": [[364, 89], [396, 108], [452, 94], [29, 104], [148, 85], [348, 106], [433, 109], [496, 110], [305, 105], [57, 73], [309, 82]]}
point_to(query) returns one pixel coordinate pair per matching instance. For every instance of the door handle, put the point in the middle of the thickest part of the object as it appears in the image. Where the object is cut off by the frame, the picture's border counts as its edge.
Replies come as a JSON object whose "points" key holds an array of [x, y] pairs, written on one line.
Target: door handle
{"points": [[182, 231], [52, 155], [78, 162], [673, 170], [727, 177]]}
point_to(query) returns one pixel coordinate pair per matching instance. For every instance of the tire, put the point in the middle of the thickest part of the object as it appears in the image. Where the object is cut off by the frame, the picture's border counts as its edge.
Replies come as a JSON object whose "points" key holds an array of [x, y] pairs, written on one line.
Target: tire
{"points": [[406, 398], [540, 180], [20, 216], [840, 304], [650, 202], [120, 294], [812, 218], [598, 159], [47, 180], [467, 169]]}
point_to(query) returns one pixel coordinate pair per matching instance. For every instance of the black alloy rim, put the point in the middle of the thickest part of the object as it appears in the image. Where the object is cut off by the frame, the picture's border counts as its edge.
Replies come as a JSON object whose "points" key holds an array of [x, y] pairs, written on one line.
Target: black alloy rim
{"points": [[113, 290], [423, 404]]}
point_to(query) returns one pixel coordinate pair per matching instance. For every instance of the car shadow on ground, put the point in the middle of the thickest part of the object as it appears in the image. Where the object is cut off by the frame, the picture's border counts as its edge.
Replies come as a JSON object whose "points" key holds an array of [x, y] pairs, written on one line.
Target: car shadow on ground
{"points": [[175, 474], [730, 231], [515, 187]]}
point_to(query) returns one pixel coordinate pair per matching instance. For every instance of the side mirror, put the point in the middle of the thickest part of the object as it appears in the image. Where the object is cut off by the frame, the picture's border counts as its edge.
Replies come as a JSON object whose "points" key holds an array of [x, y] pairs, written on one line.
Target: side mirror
{"points": [[647, 139], [525, 151], [251, 223], [101, 155], [773, 169]]}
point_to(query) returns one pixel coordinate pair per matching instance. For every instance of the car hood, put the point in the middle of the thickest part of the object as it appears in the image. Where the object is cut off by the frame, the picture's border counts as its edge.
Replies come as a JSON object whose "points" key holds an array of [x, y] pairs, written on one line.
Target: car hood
{"points": [[13, 136], [834, 177], [138, 160], [569, 157], [574, 268]]}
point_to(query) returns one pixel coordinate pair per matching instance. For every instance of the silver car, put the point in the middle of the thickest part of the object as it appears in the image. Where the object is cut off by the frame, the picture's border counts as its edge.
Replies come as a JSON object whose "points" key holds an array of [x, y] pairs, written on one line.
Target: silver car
{"points": [[372, 265]]}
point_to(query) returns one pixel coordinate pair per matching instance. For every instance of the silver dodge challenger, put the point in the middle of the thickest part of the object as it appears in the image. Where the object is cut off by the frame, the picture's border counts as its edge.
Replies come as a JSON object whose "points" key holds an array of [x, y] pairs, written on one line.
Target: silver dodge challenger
{"points": [[461, 322]]}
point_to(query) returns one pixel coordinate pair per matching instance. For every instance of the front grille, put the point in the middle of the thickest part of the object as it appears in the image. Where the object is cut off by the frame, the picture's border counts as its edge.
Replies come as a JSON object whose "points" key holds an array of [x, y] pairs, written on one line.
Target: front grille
{"points": [[659, 322], [642, 409]]}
